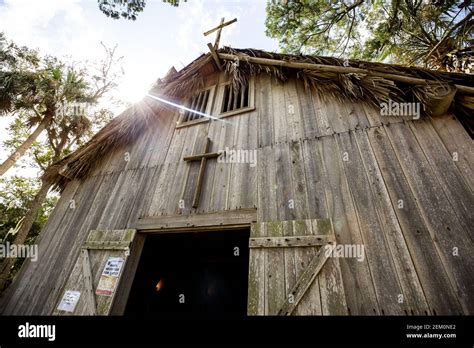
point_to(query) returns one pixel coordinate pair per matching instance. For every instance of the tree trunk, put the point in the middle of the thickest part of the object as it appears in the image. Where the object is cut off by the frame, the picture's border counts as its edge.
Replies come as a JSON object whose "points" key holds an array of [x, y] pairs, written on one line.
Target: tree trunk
{"points": [[20, 150], [22, 234]]}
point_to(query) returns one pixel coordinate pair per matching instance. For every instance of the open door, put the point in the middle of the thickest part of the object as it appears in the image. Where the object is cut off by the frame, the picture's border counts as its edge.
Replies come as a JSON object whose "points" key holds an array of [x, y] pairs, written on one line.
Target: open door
{"points": [[291, 271], [191, 274], [92, 284]]}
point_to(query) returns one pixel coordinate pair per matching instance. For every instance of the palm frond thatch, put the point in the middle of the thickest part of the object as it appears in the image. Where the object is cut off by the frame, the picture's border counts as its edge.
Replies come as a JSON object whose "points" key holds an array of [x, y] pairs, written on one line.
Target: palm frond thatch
{"points": [[127, 127]]}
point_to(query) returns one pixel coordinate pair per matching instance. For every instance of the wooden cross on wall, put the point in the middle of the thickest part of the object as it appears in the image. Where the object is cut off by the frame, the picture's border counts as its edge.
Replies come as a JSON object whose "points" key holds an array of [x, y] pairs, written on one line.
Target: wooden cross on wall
{"points": [[214, 48], [203, 158]]}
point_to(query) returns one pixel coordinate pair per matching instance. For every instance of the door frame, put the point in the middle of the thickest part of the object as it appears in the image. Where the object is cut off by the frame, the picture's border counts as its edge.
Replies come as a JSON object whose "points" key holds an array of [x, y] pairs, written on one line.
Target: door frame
{"points": [[215, 221]]}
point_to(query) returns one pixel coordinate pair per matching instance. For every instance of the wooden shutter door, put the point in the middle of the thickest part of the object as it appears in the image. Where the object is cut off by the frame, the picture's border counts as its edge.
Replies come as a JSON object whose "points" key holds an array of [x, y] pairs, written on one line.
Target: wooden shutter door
{"points": [[93, 282], [290, 272]]}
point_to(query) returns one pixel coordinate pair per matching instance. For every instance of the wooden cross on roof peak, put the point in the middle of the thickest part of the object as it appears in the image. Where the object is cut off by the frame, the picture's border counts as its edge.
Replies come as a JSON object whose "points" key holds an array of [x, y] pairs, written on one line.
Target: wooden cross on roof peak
{"points": [[215, 47], [219, 30]]}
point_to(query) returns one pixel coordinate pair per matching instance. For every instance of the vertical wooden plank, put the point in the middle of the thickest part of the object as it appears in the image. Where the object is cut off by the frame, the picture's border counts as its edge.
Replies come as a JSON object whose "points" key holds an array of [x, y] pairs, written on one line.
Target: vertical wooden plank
{"points": [[275, 270], [267, 204], [284, 183], [298, 180], [437, 286], [458, 143], [215, 129], [152, 141], [160, 188], [257, 277], [192, 169], [120, 159], [249, 198], [129, 271], [372, 113], [333, 300], [412, 291], [242, 188], [322, 117], [237, 169], [177, 186], [293, 111], [145, 195], [163, 140], [310, 303], [175, 149], [139, 184], [442, 222], [280, 125], [445, 170], [223, 170], [358, 285], [135, 156], [172, 161], [313, 167], [88, 286], [336, 116], [355, 114], [161, 135], [265, 110], [113, 215], [384, 275], [208, 179], [290, 260], [309, 122]]}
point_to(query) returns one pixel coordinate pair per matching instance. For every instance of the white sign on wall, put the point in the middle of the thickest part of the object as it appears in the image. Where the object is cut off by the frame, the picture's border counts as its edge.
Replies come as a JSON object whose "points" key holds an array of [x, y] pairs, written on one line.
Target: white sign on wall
{"points": [[110, 275], [69, 301]]}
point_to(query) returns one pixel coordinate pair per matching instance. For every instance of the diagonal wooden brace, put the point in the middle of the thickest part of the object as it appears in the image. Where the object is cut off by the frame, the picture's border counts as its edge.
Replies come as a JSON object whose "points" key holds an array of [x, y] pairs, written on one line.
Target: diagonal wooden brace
{"points": [[304, 282], [87, 274]]}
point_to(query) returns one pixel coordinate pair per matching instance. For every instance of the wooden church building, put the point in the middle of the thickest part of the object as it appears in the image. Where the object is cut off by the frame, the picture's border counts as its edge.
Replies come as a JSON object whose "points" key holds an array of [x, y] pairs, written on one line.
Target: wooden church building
{"points": [[255, 183]]}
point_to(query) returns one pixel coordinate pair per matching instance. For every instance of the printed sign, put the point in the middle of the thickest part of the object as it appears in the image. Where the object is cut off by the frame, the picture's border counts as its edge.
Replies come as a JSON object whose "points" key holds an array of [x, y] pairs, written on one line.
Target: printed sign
{"points": [[69, 301], [109, 278]]}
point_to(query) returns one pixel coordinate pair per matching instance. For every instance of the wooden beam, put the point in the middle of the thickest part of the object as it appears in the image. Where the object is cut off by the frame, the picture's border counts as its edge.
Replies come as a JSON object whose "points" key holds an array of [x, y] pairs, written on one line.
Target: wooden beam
{"points": [[218, 36], [306, 279], [336, 69], [229, 219], [290, 241], [87, 276], [128, 275], [202, 168], [203, 155], [215, 56], [107, 245], [222, 25], [287, 64]]}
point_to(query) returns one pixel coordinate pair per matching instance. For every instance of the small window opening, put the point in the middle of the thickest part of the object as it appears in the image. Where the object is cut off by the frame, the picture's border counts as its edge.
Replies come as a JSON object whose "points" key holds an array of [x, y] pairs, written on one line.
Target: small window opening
{"points": [[235, 99], [197, 103]]}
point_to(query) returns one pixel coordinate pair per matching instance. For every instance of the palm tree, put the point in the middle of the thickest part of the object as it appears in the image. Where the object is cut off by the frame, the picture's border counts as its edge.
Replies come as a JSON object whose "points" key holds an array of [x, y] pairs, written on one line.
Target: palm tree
{"points": [[42, 87], [60, 86]]}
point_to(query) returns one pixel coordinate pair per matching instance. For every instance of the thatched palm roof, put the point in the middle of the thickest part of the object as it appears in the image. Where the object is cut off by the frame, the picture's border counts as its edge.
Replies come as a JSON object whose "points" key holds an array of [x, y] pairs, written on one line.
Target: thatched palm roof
{"points": [[370, 82]]}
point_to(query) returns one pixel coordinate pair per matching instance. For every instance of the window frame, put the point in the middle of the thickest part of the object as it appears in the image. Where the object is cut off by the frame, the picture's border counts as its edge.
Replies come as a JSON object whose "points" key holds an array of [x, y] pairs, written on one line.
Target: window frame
{"points": [[249, 108], [209, 106]]}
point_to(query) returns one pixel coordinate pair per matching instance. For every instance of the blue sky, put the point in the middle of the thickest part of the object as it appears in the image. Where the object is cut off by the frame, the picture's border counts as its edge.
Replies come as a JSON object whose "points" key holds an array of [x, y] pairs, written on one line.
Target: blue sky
{"points": [[163, 36]]}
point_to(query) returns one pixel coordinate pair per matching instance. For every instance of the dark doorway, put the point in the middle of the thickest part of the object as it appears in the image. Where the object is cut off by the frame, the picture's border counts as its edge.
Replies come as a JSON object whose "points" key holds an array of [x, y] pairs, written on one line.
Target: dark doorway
{"points": [[191, 275]]}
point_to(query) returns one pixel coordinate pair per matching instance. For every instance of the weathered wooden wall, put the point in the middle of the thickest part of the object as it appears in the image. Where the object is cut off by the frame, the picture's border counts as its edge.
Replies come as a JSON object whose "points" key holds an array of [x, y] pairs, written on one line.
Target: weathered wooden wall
{"points": [[334, 160]]}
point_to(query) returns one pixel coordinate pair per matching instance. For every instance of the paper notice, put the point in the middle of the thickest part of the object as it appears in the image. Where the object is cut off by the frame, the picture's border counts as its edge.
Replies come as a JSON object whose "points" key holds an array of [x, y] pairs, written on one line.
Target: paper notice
{"points": [[69, 301], [109, 278]]}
